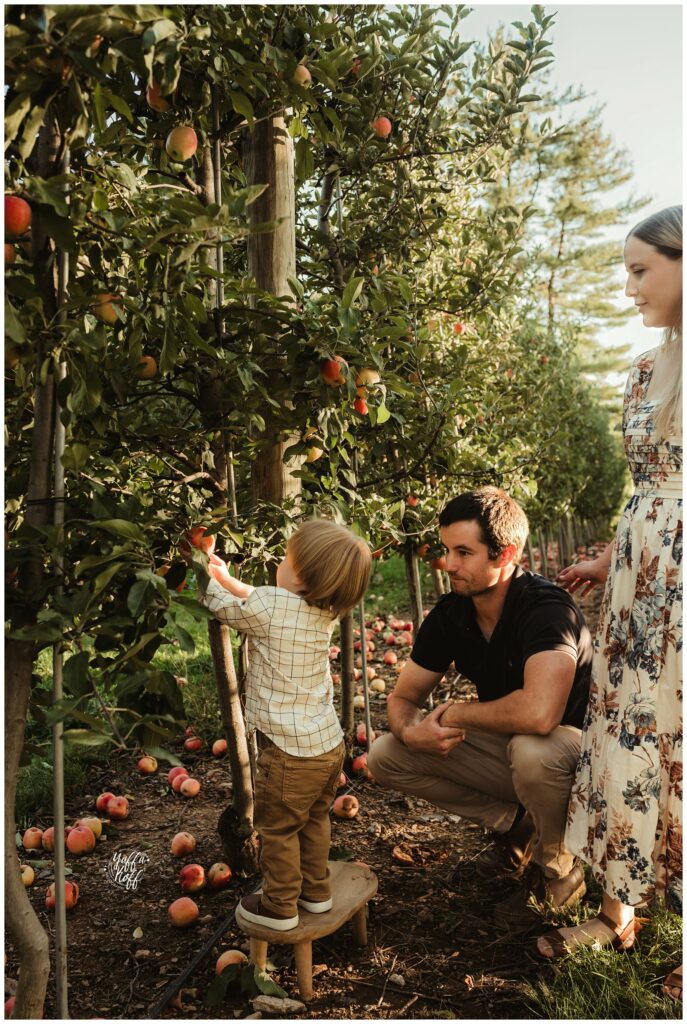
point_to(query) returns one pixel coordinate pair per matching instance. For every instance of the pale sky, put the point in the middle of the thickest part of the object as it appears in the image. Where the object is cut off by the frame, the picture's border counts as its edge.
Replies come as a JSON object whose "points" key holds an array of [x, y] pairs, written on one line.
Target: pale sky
{"points": [[629, 58]]}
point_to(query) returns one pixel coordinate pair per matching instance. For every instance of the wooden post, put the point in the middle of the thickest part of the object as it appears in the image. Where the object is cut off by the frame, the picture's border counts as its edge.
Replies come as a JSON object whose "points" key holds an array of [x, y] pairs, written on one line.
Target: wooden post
{"points": [[414, 586], [541, 536], [438, 582]]}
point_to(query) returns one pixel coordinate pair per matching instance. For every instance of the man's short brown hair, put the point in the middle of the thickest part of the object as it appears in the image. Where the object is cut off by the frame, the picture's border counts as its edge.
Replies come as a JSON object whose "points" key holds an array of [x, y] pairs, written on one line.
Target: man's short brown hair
{"points": [[501, 520]]}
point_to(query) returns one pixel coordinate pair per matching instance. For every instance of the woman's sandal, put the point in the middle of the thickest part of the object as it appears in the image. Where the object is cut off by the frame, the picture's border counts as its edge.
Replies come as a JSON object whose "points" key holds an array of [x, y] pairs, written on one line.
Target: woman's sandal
{"points": [[673, 981], [623, 940]]}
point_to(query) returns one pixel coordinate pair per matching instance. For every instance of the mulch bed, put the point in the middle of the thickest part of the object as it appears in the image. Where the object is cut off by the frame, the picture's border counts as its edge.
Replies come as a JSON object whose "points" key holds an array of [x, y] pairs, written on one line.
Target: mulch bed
{"points": [[429, 926]]}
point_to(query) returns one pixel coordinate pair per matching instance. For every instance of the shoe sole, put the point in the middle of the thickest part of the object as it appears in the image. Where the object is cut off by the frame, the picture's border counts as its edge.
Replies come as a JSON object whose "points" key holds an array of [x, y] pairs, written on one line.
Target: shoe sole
{"points": [[316, 908], [284, 924]]}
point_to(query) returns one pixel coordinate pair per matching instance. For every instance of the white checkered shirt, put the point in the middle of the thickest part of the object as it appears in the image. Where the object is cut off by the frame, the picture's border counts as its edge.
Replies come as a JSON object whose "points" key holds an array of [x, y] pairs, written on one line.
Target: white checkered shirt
{"points": [[289, 691]]}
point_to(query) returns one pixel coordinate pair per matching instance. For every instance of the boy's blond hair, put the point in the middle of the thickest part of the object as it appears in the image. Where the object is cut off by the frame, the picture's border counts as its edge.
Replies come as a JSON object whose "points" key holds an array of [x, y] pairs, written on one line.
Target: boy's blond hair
{"points": [[333, 564]]}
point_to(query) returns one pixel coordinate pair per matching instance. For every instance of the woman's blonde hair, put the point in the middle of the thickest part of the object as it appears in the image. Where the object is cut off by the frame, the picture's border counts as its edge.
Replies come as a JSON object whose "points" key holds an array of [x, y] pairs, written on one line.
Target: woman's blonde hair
{"points": [[333, 564], [663, 230]]}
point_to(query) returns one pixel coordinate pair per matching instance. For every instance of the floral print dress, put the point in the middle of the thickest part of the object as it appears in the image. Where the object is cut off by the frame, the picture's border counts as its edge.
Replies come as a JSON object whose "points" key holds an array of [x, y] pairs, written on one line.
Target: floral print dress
{"points": [[625, 811]]}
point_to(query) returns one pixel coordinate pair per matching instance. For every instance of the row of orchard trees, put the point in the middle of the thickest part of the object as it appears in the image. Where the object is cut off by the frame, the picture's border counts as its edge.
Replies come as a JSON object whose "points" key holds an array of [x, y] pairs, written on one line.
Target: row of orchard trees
{"points": [[293, 234]]}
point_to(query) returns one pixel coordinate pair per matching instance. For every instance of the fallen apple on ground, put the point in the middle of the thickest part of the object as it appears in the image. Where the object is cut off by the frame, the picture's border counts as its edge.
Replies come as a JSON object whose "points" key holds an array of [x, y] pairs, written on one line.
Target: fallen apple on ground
{"points": [[346, 806], [182, 844], [182, 912]]}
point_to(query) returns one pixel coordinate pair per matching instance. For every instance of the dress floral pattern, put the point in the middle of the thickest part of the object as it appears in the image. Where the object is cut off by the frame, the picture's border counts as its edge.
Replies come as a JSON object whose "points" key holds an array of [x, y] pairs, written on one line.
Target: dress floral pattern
{"points": [[625, 811]]}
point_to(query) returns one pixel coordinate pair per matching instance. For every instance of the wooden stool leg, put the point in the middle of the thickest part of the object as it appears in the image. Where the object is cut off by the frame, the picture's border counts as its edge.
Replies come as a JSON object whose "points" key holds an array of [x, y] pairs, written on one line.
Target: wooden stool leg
{"points": [[303, 954], [360, 926], [258, 953]]}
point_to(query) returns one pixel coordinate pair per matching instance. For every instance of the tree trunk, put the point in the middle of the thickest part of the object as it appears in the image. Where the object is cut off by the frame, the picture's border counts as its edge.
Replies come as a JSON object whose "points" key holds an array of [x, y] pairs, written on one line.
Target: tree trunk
{"points": [[438, 582], [272, 261], [25, 929], [414, 587], [347, 678], [24, 926], [529, 551], [542, 552], [235, 825]]}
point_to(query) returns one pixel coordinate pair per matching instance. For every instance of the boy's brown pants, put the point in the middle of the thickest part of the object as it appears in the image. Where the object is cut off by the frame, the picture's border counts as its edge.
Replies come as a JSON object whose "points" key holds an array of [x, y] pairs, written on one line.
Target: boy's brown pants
{"points": [[292, 800]]}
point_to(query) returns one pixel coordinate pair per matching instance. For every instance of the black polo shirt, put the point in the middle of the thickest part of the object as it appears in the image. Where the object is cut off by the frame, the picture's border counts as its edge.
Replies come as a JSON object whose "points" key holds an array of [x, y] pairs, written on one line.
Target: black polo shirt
{"points": [[537, 616]]}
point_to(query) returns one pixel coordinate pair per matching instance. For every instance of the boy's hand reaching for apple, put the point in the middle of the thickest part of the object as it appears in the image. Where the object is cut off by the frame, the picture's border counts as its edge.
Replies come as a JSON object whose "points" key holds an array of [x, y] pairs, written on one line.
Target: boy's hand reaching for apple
{"points": [[219, 570]]}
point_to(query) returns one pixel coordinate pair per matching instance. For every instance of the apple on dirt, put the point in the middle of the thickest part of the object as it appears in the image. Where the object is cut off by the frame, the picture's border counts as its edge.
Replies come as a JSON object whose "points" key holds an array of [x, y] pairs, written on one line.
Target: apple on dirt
{"points": [[147, 765], [219, 875], [193, 743], [343, 781], [117, 808], [378, 686], [178, 779], [17, 216], [94, 824], [219, 748], [346, 806], [181, 144], [183, 912], [28, 875], [192, 878], [361, 734], [189, 787], [71, 894], [32, 838], [80, 840], [359, 766], [173, 772], [182, 843], [390, 658], [231, 956]]}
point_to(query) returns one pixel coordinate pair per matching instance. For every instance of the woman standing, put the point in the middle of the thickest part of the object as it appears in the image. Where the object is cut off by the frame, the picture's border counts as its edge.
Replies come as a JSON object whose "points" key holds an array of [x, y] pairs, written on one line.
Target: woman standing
{"points": [[625, 812]]}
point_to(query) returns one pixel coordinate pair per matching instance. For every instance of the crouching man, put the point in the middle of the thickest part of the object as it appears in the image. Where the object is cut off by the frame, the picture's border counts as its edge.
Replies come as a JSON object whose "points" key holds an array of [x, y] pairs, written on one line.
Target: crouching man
{"points": [[506, 761]]}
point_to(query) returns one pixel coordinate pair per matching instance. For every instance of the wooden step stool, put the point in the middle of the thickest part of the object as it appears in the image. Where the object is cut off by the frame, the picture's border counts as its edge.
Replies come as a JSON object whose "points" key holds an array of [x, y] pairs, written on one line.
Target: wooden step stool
{"points": [[352, 888]]}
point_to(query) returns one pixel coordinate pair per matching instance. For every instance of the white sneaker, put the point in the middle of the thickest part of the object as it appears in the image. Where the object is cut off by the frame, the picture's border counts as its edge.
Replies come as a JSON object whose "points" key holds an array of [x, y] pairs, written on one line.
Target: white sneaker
{"points": [[316, 908]]}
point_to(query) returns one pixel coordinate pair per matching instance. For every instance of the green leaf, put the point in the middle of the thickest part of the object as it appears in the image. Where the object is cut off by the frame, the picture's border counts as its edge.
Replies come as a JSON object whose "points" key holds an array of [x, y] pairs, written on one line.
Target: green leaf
{"points": [[217, 990], [120, 527], [139, 597], [267, 986], [383, 414], [51, 193], [185, 639], [14, 328], [352, 291], [99, 107], [162, 29], [14, 115], [84, 737], [242, 105], [76, 456], [75, 674]]}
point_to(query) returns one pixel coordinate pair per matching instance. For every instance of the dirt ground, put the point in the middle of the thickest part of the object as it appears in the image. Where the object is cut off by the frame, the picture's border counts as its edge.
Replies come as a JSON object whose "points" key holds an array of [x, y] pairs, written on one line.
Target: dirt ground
{"points": [[429, 925]]}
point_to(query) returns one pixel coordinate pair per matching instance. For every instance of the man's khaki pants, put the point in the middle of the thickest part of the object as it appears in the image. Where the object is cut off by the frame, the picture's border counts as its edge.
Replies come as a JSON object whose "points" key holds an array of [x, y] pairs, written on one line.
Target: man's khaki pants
{"points": [[292, 800], [485, 777]]}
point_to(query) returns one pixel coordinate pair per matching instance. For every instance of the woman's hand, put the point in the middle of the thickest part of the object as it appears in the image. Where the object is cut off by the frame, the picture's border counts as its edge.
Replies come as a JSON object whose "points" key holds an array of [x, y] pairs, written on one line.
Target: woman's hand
{"points": [[585, 575]]}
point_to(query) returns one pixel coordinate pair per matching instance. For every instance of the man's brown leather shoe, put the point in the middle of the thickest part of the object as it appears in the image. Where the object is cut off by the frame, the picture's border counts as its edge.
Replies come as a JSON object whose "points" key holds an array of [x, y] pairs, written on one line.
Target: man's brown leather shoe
{"points": [[510, 852], [526, 907]]}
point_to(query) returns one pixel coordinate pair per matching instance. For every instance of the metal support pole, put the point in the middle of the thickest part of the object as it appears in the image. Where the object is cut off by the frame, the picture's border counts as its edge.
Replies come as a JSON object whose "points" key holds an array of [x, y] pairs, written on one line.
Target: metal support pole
{"points": [[61, 983]]}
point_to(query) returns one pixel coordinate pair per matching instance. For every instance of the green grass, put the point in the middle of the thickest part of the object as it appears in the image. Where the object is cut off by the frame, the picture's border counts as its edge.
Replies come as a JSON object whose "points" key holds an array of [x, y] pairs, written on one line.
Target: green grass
{"points": [[35, 780], [605, 985]]}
